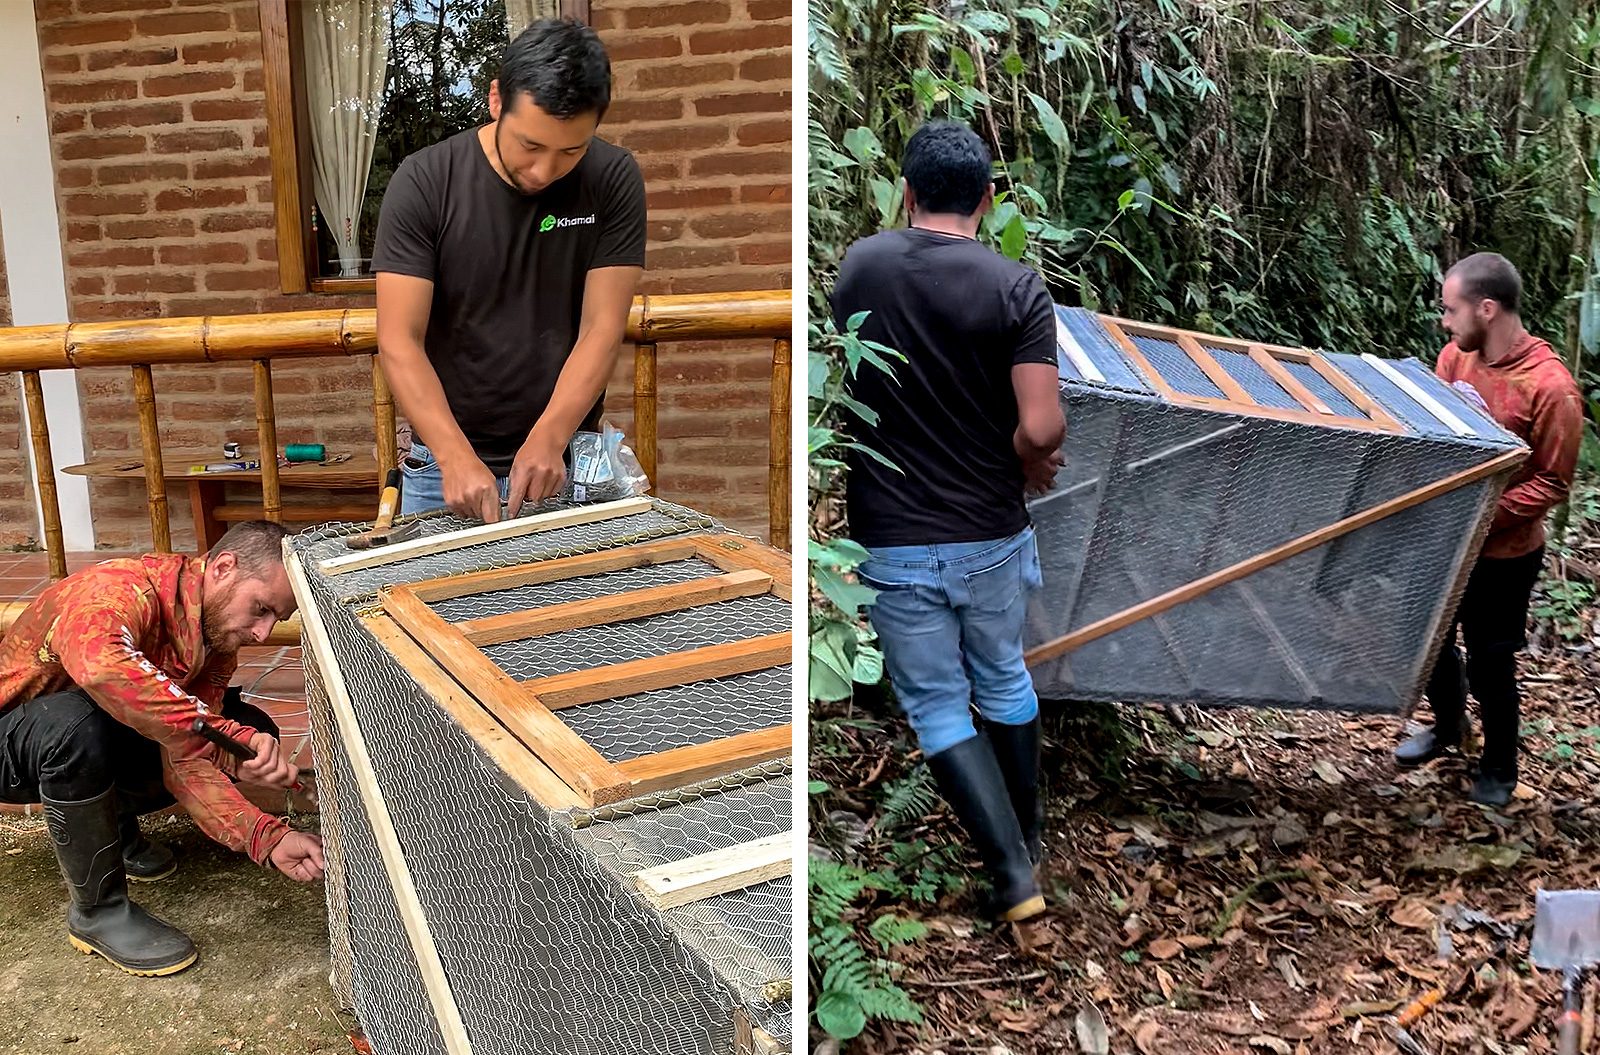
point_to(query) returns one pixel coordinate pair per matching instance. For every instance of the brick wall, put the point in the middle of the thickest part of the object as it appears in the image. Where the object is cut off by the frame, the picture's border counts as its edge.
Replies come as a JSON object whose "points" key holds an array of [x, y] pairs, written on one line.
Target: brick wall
{"points": [[19, 524], [157, 110]]}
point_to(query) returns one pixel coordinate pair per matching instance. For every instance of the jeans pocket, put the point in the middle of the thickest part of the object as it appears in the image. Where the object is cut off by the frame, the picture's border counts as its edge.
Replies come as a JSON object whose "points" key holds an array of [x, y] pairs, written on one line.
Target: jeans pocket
{"points": [[418, 461], [997, 587]]}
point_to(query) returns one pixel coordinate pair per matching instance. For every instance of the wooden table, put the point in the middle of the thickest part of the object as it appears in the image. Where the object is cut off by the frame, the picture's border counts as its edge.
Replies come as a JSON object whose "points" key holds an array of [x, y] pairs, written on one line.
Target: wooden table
{"points": [[206, 490]]}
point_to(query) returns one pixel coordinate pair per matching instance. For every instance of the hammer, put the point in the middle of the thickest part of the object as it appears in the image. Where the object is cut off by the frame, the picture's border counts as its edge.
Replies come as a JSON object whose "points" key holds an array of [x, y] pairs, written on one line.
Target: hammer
{"points": [[243, 752], [383, 532]]}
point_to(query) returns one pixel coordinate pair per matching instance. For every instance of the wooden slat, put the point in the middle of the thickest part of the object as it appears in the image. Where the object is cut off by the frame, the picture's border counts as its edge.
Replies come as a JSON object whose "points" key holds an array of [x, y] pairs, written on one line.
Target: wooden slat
{"points": [[45, 472], [778, 497], [1214, 370], [661, 551], [383, 424], [267, 437], [295, 514], [718, 872], [548, 737], [644, 408], [412, 917], [1295, 547], [660, 672], [155, 482], [1287, 381], [1364, 402], [507, 752], [472, 536], [1132, 350], [731, 554], [686, 765], [613, 608], [290, 188]]}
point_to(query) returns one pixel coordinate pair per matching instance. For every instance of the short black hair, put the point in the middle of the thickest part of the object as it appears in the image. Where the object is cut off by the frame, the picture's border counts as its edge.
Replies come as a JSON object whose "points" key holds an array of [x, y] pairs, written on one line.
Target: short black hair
{"points": [[948, 168], [562, 65], [1490, 276], [257, 546]]}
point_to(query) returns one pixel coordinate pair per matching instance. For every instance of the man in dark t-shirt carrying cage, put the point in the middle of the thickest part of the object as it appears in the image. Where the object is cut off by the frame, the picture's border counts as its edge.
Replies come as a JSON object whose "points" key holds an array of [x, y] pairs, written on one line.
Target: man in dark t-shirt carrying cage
{"points": [[971, 422], [507, 257]]}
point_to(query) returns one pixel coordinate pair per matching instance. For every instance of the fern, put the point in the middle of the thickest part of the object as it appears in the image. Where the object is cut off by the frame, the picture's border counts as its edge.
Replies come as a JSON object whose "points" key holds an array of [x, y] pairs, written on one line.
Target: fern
{"points": [[908, 799]]}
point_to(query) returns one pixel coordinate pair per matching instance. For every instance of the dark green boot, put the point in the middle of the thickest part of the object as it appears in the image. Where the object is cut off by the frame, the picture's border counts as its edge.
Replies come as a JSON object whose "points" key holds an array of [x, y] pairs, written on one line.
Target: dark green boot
{"points": [[970, 779], [1016, 748]]}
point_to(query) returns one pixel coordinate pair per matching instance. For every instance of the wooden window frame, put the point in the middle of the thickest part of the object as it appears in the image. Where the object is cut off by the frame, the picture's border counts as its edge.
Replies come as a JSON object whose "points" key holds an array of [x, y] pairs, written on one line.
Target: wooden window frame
{"points": [[293, 193]]}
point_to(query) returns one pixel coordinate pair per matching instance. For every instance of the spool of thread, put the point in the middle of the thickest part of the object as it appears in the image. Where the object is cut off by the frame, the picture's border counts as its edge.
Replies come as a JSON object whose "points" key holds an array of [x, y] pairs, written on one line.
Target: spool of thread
{"points": [[230, 450], [305, 452]]}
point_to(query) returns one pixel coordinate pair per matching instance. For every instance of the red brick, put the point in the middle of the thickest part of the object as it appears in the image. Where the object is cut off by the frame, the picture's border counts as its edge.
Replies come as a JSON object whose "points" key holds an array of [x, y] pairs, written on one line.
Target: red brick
{"points": [[224, 168], [152, 282], [743, 163], [698, 13], [678, 75], [767, 10], [630, 49], [131, 57], [210, 410], [144, 172], [62, 121], [766, 68], [218, 306], [195, 83], [630, 110], [62, 63], [730, 281], [266, 249], [255, 278], [237, 221], [693, 198], [222, 50], [777, 193], [109, 7], [105, 204], [180, 198], [88, 285], [155, 228], [205, 253], [255, 80], [602, 19], [753, 38], [674, 137], [137, 116], [656, 169], [192, 380], [765, 252], [195, 142], [743, 103], [247, 18], [688, 257], [228, 109], [74, 148], [83, 231], [760, 133], [74, 177], [180, 22], [663, 230], [263, 137], [99, 31], [92, 91], [113, 256]]}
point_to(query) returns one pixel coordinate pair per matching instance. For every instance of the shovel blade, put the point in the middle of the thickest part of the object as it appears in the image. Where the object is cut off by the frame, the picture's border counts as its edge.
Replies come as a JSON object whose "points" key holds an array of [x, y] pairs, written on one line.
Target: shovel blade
{"points": [[1566, 929]]}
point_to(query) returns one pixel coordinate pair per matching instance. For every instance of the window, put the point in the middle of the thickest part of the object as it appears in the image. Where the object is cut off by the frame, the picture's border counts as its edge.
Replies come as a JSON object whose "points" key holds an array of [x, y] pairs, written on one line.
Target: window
{"points": [[355, 86]]}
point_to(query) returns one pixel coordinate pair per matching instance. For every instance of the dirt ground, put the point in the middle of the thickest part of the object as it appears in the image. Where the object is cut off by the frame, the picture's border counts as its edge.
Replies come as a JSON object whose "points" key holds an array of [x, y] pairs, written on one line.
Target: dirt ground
{"points": [[261, 984]]}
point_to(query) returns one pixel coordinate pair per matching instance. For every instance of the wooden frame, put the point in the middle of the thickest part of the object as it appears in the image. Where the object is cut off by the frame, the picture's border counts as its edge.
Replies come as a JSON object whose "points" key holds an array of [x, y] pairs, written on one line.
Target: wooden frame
{"points": [[1236, 400], [498, 710]]}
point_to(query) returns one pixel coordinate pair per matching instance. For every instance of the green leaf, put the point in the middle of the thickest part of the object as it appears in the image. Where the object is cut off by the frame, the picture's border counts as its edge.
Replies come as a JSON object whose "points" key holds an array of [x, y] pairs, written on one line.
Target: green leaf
{"points": [[840, 1014], [849, 596], [817, 787], [1035, 15], [980, 22], [1051, 121], [886, 196], [1124, 200], [965, 70], [1013, 64], [868, 669], [863, 143], [1014, 238]]}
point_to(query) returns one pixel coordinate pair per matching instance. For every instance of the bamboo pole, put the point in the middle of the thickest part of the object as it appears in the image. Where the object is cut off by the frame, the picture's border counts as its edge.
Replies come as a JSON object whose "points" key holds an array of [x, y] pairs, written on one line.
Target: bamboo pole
{"points": [[45, 468], [778, 448], [239, 338], [644, 409], [383, 422], [155, 482], [1309, 541], [267, 437]]}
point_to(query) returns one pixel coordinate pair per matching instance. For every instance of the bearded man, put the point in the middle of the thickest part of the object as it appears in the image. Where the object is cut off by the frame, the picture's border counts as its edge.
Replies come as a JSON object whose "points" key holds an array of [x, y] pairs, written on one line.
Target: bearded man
{"points": [[101, 681]]}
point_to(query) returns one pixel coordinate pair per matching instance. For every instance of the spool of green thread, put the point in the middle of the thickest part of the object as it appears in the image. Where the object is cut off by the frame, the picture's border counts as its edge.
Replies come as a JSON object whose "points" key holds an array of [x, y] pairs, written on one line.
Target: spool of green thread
{"points": [[305, 452]]}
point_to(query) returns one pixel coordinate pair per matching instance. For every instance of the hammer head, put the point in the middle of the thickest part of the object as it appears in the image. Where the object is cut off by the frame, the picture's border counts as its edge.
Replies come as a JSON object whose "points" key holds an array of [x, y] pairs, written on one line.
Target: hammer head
{"points": [[386, 536]]}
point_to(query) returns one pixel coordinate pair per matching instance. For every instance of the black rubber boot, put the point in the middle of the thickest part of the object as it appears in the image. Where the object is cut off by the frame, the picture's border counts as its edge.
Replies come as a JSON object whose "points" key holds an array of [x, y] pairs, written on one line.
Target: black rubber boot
{"points": [[1447, 693], [1016, 748], [1426, 746], [1496, 778], [101, 919], [143, 860], [969, 777]]}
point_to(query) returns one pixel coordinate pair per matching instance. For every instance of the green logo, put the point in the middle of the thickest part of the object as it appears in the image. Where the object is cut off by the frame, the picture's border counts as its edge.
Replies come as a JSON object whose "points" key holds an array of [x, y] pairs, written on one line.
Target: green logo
{"points": [[547, 223]]}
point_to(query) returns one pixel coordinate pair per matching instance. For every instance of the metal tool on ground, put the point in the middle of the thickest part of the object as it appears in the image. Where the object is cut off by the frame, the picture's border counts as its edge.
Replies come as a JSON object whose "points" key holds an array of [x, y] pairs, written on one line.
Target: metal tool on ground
{"points": [[383, 532], [242, 751], [1408, 1017], [1566, 936]]}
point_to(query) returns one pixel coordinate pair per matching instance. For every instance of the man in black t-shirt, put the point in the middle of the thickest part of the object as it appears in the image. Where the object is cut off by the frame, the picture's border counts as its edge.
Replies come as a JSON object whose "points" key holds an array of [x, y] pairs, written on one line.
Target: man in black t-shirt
{"points": [[506, 259], [971, 421]]}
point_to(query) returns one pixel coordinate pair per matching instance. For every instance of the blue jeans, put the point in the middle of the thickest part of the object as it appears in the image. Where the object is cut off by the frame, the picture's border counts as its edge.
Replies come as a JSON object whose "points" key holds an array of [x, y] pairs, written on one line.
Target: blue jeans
{"points": [[422, 489], [949, 617]]}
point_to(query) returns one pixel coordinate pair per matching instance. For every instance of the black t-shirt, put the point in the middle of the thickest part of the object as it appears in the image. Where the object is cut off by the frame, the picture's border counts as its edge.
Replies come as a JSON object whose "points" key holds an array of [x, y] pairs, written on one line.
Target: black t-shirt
{"points": [[508, 274], [962, 316]]}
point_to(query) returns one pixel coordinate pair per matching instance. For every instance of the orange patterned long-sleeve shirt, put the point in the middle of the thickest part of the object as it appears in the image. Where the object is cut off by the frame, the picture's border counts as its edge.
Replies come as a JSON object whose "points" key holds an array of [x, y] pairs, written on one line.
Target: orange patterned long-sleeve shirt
{"points": [[128, 632], [1531, 394]]}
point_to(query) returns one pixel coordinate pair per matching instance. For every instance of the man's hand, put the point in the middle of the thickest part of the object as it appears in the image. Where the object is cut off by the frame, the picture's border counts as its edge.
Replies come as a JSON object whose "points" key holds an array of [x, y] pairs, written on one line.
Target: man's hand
{"points": [[298, 856], [270, 768], [1039, 475], [470, 489], [537, 473]]}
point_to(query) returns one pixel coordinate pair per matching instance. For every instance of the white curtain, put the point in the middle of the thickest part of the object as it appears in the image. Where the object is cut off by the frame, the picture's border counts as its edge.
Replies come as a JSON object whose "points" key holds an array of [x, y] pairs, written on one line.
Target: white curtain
{"points": [[520, 14], [346, 50]]}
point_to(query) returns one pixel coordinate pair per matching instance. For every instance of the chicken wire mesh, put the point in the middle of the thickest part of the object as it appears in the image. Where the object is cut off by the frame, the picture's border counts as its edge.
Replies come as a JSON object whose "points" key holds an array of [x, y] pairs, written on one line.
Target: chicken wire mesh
{"points": [[1156, 494], [544, 942]]}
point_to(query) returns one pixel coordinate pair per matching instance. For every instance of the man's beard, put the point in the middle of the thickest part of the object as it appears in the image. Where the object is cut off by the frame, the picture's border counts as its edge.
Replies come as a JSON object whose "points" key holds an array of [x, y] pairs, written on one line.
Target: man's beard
{"points": [[1469, 340], [212, 631], [510, 175]]}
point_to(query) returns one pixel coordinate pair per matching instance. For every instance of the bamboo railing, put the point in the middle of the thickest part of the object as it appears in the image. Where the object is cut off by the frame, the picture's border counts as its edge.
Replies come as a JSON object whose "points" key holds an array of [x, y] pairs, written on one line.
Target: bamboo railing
{"points": [[259, 339]]}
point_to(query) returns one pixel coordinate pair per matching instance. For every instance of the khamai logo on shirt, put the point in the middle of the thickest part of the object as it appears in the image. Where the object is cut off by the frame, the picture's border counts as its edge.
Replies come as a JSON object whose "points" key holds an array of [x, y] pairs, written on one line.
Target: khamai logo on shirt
{"points": [[565, 221]]}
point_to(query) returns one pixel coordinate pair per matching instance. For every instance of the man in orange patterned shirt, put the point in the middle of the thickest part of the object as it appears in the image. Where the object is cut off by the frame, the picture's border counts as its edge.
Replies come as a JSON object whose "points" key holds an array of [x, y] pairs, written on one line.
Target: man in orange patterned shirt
{"points": [[1528, 390], [101, 680]]}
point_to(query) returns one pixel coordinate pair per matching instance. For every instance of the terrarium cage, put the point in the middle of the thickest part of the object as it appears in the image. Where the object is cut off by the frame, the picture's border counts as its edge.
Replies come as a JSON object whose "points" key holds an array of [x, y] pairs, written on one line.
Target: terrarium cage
{"points": [[555, 765], [1241, 524]]}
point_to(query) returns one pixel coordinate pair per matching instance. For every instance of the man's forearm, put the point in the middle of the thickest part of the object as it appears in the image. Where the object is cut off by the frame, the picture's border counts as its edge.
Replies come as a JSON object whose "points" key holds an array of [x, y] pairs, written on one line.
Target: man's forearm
{"points": [[422, 400], [582, 380]]}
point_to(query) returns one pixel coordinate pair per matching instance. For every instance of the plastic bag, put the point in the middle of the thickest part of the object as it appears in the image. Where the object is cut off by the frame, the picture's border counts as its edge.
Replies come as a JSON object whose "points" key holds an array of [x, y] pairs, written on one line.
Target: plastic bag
{"points": [[602, 468]]}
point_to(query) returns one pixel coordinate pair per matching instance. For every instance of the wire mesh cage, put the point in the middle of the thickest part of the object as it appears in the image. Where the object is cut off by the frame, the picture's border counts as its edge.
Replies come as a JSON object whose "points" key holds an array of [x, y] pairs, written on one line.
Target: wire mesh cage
{"points": [[1240, 524], [555, 774]]}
